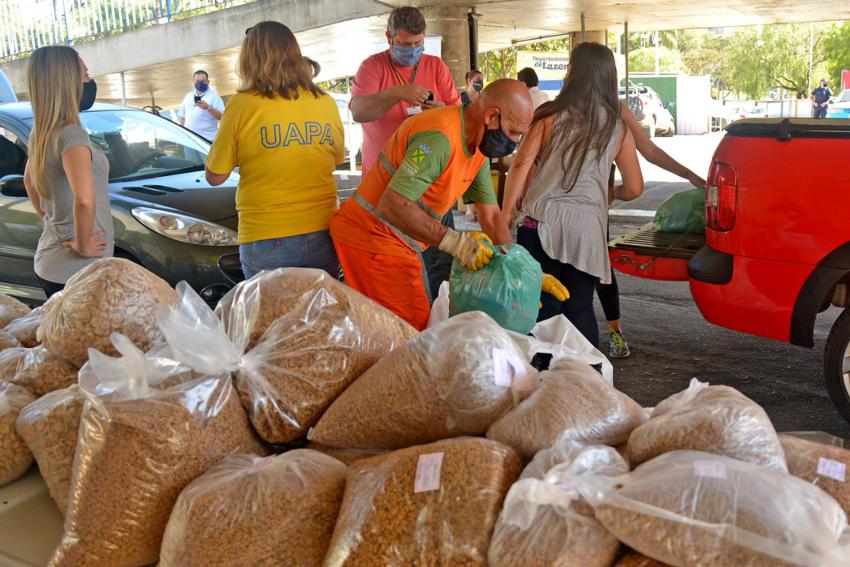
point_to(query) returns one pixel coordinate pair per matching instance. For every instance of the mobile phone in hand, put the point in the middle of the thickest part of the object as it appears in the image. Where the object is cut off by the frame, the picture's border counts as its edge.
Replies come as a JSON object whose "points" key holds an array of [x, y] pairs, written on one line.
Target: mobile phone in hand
{"points": [[430, 96], [198, 99]]}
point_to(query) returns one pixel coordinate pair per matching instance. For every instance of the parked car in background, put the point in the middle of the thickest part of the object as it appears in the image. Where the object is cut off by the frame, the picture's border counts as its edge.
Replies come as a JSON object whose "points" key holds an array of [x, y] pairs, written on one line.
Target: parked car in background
{"points": [[353, 130], [650, 111], [167, 217], [840, 107], [751, 111]]}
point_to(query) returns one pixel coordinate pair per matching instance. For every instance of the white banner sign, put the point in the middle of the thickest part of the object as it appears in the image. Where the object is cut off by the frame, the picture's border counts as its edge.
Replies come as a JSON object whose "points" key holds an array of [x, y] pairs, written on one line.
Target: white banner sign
{"points": [[550, 66]]}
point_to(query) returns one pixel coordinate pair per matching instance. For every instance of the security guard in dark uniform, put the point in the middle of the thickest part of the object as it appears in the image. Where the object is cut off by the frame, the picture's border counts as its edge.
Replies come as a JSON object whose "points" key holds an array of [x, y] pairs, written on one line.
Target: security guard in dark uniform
{"points": [[820, 99]]}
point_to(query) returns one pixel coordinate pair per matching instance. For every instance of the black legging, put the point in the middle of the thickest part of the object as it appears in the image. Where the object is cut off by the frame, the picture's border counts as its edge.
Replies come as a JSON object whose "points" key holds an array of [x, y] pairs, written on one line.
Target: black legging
{"points": [[609, 297], [579, 307], [50, 288]]}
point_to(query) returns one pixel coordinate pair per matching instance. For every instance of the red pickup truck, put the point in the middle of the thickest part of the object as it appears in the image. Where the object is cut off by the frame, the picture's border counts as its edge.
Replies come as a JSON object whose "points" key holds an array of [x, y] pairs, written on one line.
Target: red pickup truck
{"points": [[776, 250]]}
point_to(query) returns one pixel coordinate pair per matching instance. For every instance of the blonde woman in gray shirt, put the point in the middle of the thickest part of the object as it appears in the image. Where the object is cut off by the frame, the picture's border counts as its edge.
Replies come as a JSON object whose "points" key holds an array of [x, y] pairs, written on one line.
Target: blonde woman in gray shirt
{"points": [[66, 176], [565, 161]]}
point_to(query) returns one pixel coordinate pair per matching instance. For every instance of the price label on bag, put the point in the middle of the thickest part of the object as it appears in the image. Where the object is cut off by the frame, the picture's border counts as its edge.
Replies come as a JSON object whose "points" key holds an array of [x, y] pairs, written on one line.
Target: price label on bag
{"points": [[428, 470], [835, 470], [710, 469], [504, 370]]}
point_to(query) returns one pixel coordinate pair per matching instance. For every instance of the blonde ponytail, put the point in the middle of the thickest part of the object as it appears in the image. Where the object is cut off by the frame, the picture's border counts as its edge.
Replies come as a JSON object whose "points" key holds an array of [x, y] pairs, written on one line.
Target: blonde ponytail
{"points": [[55, 87]]}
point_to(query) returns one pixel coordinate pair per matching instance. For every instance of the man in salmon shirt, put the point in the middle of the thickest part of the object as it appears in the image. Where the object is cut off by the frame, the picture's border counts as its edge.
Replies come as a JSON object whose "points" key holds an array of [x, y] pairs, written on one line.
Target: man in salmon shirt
{"points": [[395, 84], [431, 161]]}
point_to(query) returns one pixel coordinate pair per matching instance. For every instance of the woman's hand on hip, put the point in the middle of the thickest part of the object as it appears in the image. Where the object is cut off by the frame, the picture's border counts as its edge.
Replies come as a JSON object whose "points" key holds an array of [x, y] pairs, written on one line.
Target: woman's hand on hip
{"points": [[92, 248]]}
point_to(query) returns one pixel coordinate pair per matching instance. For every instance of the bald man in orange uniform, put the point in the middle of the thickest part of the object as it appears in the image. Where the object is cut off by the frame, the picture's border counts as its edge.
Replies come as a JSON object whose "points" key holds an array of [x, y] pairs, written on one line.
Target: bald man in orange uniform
{"points": [[431, 161]]}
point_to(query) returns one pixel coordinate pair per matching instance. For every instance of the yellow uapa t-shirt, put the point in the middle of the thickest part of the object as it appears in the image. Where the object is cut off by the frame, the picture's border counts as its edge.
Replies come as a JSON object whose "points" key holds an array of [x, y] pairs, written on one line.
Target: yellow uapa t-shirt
{"points": [[286, 151]]}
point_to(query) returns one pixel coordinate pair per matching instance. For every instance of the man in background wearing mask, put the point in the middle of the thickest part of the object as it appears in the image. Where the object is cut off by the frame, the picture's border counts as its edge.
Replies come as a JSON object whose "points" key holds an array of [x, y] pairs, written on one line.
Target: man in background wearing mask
{"points": [[474, 84], [395, 84], [820, 99], [427, 165], [201, 108]]}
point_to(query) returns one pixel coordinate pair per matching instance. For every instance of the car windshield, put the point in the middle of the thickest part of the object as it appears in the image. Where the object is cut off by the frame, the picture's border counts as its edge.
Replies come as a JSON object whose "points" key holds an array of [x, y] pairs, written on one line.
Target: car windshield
{"points": [[139, 145]]}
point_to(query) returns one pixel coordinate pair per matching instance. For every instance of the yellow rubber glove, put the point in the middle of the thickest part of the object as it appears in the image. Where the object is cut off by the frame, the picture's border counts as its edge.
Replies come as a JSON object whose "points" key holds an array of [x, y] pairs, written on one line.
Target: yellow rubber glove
{"points": [[553, 287], [468, 248]]}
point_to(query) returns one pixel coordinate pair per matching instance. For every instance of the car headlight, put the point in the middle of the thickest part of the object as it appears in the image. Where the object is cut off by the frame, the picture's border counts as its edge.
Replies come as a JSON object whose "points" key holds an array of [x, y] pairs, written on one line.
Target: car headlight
{"points": [[184, 228]]}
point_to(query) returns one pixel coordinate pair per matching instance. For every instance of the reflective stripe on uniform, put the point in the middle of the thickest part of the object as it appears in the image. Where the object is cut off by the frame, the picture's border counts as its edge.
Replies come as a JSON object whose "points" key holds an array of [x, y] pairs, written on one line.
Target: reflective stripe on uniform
{"points": [[409, 241]]}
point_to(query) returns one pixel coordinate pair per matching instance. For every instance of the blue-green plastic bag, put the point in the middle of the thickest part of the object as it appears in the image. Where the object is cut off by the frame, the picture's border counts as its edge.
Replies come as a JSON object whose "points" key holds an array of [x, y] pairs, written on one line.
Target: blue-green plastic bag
{"points": [[507, 289], [683, 212]]}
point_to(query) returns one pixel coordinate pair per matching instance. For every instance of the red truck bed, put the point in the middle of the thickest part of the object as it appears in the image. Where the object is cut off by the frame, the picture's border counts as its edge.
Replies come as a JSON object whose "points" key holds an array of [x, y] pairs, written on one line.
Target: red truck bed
{"points": [[646, 252]]}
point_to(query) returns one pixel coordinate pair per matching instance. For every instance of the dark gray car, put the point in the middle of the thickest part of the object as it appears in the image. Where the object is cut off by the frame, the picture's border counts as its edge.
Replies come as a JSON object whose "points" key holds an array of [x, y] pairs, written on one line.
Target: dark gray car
{"points": [[167, 217]]}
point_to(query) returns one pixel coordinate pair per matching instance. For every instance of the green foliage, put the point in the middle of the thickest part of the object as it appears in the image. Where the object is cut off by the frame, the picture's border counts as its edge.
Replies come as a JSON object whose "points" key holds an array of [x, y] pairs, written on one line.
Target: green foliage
{"points": [[837, 46], [643, 60], [763, 58]]}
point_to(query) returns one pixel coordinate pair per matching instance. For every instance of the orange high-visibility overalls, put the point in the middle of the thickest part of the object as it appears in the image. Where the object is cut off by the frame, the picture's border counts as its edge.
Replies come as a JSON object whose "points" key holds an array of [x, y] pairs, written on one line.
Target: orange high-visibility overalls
{"points": [[378, 259]]}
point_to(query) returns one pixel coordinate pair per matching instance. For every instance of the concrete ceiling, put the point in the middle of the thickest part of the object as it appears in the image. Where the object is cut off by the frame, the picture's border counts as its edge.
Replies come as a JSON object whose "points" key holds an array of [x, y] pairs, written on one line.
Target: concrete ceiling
{"points": [[340, 46]]}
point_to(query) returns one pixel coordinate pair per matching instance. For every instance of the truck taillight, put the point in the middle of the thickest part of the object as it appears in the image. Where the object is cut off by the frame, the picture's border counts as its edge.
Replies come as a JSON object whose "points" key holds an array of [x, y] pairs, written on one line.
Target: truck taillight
{"points": [[721, 197]]}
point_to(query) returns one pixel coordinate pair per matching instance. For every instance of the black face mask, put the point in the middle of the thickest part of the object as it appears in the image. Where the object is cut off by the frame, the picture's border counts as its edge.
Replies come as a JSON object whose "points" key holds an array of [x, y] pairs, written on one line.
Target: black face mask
{"points": [[89, 94], [496, 143], [478, 85]]}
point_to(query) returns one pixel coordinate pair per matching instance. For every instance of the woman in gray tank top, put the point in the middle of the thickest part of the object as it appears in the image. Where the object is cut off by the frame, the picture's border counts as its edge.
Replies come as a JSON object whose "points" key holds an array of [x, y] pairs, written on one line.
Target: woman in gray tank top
{"points": [[66, 177], [564, 161]]}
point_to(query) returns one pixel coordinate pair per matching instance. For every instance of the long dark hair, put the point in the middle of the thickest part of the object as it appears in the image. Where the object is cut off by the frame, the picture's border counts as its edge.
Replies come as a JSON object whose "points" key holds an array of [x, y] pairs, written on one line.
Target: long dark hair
{"points": [[591, 109]]}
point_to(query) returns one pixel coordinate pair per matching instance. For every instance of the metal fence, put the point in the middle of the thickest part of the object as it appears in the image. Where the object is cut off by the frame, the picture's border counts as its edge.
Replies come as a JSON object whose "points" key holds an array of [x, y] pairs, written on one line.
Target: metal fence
{"points": [[26, 25]]}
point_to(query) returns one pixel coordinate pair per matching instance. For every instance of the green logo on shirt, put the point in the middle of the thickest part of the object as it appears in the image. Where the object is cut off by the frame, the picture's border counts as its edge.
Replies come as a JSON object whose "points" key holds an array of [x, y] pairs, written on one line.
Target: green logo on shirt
{"points": [[421, 153]]}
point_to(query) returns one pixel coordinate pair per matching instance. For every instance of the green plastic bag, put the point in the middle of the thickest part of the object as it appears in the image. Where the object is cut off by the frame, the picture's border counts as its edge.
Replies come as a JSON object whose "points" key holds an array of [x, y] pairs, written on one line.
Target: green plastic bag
{"points": [[507, 289], [683, 212]]}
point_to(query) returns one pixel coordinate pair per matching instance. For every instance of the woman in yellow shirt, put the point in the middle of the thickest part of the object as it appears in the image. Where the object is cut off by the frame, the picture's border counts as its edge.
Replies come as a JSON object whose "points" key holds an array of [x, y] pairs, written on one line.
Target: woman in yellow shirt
{"points": [[286, 137]]}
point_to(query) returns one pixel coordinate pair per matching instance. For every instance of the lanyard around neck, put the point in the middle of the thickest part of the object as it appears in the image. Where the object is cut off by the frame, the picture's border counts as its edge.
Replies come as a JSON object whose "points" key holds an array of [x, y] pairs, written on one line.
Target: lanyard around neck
{"points": [[396, 72]]}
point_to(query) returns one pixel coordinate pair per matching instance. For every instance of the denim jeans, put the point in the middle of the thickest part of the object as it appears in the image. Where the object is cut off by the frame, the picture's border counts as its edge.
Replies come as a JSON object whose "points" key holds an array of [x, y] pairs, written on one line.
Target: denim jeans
{"points": [[311, 250]]}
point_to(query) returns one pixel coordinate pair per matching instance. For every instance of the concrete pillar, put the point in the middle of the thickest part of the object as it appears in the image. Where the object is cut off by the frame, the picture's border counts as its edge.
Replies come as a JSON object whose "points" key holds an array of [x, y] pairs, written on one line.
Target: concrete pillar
{"points": [[451, 24], [597, 36]]}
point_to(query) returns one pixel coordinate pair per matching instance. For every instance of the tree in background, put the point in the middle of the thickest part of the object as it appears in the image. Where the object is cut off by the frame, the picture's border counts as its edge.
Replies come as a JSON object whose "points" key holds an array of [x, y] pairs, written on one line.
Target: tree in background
{"points": [[643, 60], [837, 46], [765, 57]]}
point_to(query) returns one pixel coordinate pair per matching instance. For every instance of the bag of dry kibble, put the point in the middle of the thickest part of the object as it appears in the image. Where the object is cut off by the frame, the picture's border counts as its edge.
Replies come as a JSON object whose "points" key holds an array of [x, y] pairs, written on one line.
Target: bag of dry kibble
{"points": [[453, 379], [252, 510], [138, 447], [571, 402], [546, 522], [110, 295], [581, 459], [10, 360], [714, 419], [11, 309], [25, 328], [823, 460], [49, 426], [41, 372], [15, 456], [7, 341], [431, 504], [693, 508], [294, 338]]}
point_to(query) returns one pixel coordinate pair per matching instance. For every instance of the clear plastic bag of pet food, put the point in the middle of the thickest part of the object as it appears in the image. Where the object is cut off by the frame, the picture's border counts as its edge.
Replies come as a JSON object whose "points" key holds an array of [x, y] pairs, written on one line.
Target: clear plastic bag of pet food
{"points": [[693, 508], [294, 338], [138, 447]]}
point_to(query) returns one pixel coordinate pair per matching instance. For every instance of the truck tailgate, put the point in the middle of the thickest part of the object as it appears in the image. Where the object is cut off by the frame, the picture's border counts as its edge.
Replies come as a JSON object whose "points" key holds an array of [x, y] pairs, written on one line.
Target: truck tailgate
{"points": [[646, 252]]}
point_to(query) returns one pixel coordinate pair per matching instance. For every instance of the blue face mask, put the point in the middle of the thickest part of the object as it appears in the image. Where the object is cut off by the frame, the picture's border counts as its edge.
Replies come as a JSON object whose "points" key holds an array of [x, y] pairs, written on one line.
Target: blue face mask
{"points": [[201, 86], [407, 56], [496, 143]]}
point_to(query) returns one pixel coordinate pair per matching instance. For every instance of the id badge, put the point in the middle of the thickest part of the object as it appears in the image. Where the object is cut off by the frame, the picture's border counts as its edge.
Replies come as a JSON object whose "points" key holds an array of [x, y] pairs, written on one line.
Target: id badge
{"points": [[412, 110]]}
